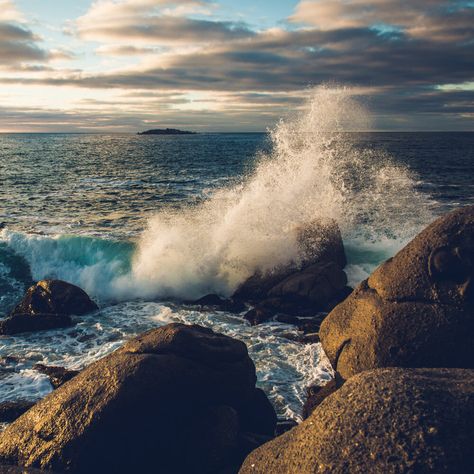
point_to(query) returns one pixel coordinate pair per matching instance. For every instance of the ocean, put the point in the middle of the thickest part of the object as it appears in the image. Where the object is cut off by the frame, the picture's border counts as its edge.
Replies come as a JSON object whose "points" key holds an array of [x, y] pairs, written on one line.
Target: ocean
{"points": [[144, 223]]}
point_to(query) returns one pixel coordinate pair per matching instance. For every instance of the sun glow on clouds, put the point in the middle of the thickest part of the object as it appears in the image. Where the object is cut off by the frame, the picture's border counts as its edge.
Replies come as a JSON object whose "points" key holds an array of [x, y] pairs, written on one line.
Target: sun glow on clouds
{"points": [[116, 65]]}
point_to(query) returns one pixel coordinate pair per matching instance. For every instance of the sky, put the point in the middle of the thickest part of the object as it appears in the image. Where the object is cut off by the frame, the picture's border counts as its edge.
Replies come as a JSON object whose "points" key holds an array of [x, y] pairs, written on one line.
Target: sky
{"points": [[220, 65]]}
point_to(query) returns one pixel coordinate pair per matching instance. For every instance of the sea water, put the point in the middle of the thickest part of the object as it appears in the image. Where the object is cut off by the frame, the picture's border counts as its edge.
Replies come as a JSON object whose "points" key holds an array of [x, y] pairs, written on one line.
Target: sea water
{"points": [[143, 223]]}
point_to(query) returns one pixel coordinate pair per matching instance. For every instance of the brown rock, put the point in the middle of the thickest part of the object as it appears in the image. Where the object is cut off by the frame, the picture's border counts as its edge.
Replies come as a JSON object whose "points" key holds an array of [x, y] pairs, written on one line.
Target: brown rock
{"points": [[316, 285], [319, 243], [415, 310], [385, 420], [143, 406], [55, 297]]}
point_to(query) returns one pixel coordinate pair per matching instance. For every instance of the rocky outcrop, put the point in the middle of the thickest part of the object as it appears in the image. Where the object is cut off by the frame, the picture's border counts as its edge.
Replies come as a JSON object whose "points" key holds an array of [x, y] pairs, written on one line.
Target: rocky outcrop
{"points": [[47, 305], [55, 297], [181, 398], [415, 310], [385, 420], [319, 243], [315, 285], [315, 282]]}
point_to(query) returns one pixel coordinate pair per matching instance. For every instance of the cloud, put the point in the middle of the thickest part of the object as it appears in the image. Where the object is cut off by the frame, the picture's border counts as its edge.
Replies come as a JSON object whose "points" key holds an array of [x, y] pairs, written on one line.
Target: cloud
{"points": [[163, 49], [155, 23], [437, 20], [9, 11], [18, 44], [125, 50]]}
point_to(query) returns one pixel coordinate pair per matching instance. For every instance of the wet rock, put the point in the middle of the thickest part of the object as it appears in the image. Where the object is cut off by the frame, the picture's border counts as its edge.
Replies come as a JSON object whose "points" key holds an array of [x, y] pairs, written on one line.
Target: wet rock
{"points": [[415, 310], [314, 286], [11, 410], [315, 394], [385, 420], [57, 375], [47, 305], [55, 297], [311, 338], [319, 243], [258, 315], [19, 323], [222, 304], [311, 325], [177, 397], [280, 309]]}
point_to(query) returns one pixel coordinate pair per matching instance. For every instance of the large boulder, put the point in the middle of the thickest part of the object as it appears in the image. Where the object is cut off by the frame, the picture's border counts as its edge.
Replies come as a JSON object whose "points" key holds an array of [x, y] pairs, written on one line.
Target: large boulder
{"points": [[313, 282], [385, 420], [176, 399], [55, 297], [318, 244], [315, 285], [415, 310], [46, 305]]}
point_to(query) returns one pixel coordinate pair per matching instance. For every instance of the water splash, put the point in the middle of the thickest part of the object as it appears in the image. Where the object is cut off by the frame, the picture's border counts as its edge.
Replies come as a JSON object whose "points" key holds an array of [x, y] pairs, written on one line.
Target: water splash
{"points": [[314, 171], [317, 169]]}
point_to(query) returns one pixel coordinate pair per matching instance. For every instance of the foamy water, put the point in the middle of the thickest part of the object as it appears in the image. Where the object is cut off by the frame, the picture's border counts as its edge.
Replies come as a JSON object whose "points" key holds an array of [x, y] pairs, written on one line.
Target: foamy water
{"points": [[312, 170]]}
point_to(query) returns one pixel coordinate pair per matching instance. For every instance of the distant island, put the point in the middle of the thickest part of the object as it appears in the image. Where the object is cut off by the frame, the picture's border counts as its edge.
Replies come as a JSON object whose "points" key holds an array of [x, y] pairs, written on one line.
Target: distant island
{"points": [[166, 131]]}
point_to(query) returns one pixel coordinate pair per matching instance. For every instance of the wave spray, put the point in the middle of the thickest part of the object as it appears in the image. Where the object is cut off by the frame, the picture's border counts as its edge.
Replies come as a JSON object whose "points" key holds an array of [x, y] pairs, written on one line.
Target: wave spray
{"points": [[316, 170]]}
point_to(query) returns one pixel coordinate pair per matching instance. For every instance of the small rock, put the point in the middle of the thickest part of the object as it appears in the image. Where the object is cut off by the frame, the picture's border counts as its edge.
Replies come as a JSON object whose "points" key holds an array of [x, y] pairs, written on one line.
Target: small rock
{"points": [[315, 395], [311, 338], [319, 243], [215, 301], [55, 297], [57, 375]]}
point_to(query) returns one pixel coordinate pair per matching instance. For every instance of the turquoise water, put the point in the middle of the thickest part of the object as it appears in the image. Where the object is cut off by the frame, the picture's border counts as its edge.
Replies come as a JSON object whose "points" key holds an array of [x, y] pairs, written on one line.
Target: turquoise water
{"points": [[106, 212]]}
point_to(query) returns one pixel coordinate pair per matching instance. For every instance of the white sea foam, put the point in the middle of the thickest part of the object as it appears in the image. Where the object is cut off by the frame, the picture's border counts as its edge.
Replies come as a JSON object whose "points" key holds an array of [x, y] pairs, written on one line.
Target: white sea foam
{"points": [[284, 367]]}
